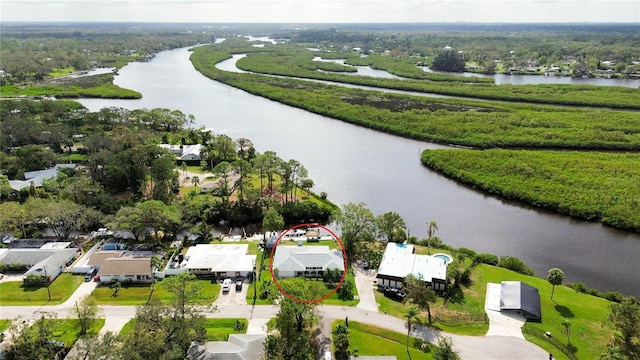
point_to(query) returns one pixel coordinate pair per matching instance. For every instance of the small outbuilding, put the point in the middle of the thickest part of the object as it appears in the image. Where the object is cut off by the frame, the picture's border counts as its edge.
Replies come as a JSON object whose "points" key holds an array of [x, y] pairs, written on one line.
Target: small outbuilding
{"points": [[520, 297]]}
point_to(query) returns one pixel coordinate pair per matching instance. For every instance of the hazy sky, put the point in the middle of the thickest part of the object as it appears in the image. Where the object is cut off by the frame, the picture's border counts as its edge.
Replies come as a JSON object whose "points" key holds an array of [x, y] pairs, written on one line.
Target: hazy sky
{"points": [[305, 11]]}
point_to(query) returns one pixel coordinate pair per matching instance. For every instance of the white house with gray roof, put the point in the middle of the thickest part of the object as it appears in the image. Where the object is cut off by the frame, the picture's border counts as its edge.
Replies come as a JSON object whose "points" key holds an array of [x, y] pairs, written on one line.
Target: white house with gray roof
{"points": [[47, 262], [399, 260], [221, 260], [307, 261]]}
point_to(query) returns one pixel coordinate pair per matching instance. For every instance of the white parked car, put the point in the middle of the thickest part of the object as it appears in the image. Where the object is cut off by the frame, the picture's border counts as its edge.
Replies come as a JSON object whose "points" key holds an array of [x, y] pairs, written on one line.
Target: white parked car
{"points": [[226, 285]]}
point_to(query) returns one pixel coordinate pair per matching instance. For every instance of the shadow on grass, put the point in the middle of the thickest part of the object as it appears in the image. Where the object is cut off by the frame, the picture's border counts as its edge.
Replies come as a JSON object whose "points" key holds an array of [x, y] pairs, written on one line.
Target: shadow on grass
{"points": [[564, 311]]}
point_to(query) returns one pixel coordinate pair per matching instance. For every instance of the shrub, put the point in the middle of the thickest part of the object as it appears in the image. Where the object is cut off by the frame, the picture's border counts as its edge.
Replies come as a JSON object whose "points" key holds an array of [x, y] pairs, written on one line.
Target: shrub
{"points": [[578, 286], [467, 252], [515, 264], [345, 292], [486, 258], [613, 296]]}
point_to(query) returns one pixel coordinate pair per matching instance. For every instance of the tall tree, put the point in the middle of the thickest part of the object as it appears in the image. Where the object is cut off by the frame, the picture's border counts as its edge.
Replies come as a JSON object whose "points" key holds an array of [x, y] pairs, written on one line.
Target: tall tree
{"points": [[341, 342], [195, 180], [389, 225], [555, 277], [242, 169], [86, 311], [411, 314], [357, 223], [128, 218], [272, 220], [166, 331], [448, 60], [294, 339], [445, 350], [419, 293], [431, 230], [566, 329], [625, 317], [31, 341]]}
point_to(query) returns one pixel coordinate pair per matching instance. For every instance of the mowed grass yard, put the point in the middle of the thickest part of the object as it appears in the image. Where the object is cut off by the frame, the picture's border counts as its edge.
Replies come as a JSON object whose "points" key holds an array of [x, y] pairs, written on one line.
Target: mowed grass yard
{"points": [[217, 329], [220, 329], [68, 330], [14, 293], [371, 340], [590, 329], [265, 278], [138, 294]]}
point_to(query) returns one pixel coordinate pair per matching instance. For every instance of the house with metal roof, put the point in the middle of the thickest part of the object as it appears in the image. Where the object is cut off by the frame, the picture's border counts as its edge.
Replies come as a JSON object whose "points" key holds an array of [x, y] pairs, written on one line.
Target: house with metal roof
{"points": [[238, 347], [48, 263], [220, 260], [520, 297], [400, 260], [307, 261]]}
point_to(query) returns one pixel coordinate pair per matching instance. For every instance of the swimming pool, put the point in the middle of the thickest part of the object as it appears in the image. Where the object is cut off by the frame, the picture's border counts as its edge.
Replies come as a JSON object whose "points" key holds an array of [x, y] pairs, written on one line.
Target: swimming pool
{"points": [[447, 258]]}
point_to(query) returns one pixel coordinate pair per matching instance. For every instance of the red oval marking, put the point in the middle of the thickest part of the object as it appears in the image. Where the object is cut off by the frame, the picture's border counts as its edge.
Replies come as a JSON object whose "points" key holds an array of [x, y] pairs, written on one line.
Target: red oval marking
{"points": [[275, 281]]}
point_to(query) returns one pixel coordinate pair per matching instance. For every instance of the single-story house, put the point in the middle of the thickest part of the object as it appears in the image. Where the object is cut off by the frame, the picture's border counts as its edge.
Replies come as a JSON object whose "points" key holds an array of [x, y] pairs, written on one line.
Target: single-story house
{"points": [[44, 262], [123, 265], [399, 260], [38, 176], [520, 297], [184, 152], [126, 269], [307, 261], [220, 260], [238, 347]]}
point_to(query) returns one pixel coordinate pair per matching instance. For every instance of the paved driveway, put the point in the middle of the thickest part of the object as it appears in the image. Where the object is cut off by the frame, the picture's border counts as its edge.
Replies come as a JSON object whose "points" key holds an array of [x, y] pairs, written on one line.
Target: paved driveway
{"points": [[364, 284], [233, 297], [501, 323]]}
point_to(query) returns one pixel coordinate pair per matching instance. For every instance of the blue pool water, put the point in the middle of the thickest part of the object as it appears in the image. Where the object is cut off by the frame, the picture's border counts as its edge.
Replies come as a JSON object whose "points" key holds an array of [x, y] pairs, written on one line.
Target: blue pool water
{"points": [[447, 259]]}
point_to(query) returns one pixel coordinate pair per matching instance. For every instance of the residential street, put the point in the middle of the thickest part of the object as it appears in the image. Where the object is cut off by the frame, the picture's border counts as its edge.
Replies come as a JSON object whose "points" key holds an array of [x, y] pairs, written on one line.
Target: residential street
{"points": [[469, 347]]}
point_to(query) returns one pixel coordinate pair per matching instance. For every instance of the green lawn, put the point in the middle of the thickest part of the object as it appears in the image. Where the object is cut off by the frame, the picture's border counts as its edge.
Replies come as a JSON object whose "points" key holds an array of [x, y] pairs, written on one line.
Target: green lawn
{"points": [[4, 324], [137, 294], [13, 293], [588, 314], [332, 300], [130, 325], [374, 341], [217, 329], [220, 329], [68, 330]]}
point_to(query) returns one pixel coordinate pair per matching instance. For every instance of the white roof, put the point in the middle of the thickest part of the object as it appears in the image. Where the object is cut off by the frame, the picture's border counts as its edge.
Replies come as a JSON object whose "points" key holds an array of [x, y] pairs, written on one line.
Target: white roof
{"points": [[56, 245], [219, 257], [399, 261], [38, 176], [298, 258]]}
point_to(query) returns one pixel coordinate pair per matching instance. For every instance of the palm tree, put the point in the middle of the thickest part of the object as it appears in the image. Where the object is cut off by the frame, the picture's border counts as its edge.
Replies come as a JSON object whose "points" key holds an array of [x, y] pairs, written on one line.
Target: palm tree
{"points": [[555, 277], [195, 180], [156, 264], [183, 166], [431, 229], [411, 314]]}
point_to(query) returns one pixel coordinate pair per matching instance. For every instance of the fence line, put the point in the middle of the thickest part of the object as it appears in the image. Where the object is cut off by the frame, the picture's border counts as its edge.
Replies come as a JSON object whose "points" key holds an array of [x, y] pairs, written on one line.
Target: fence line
{"points": [[550, 339]]}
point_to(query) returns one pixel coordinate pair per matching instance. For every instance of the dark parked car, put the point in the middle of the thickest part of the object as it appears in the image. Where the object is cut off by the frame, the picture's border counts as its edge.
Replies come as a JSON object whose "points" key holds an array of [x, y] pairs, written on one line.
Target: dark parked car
{"points": [[89, 274], [238, 285], [365, 265], [395, 294]]}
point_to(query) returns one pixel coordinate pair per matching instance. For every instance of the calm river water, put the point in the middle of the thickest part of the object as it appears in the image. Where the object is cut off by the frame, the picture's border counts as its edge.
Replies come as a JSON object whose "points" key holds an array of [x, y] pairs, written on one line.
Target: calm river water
{"points": [[354, 164]]}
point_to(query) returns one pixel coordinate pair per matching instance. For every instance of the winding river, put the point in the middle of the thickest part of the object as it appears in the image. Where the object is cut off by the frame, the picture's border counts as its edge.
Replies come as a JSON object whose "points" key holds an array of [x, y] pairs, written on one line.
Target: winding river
{"points": [[354, 164]]}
